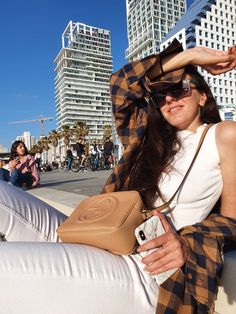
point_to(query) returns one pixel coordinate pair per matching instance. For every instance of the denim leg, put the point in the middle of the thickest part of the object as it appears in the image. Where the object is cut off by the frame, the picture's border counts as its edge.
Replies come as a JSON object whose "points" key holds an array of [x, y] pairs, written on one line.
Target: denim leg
{"points": [[16, 178], [4, 175], [69, 163]]}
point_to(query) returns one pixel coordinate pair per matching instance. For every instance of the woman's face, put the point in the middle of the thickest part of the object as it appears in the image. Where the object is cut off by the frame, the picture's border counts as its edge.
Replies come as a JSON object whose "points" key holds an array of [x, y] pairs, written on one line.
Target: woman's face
{"points": [[183, 112], [20, 149]]}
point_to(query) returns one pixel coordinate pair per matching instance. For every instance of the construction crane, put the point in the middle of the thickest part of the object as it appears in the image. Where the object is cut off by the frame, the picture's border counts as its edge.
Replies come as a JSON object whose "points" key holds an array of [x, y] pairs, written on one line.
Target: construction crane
{"points": [[41, 120]]}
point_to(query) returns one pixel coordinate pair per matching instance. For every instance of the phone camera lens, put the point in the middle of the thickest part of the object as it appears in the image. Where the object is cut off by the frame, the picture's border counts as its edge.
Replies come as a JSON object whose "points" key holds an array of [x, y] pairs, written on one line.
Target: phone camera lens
{"points": [[142, 235]]}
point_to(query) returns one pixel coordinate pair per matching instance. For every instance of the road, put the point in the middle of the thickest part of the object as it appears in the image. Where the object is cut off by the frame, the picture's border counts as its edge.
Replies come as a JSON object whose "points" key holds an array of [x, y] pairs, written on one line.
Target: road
{"points": [[84, 183]]}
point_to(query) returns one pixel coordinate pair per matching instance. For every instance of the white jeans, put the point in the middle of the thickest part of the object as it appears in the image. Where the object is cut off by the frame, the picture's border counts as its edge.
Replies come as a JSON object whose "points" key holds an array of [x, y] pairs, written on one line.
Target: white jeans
{"points": [[59, 278]]}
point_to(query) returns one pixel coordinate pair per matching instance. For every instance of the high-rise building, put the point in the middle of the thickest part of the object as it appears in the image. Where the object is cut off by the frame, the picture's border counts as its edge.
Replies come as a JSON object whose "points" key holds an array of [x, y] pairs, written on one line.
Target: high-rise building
{"points": [[211, 23], [83, 68], [148, 21], [3, 149], [27, 138]]}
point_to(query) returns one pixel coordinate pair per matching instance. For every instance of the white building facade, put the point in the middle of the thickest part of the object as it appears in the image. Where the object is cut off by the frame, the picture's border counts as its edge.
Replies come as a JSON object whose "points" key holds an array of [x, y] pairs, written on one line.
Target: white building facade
{"points": [[83, 68], [211, 23], [28, 139], [3, 149], [148, 22]]}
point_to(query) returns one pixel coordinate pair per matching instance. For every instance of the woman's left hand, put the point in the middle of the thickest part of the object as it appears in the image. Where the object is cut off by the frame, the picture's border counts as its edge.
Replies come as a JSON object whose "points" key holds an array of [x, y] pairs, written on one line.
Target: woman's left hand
{"points": [[171, 250]]}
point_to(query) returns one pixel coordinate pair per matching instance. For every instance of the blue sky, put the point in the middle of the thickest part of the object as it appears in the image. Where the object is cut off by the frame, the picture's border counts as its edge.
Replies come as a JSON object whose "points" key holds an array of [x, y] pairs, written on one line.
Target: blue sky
{"points": [[30, 32]]}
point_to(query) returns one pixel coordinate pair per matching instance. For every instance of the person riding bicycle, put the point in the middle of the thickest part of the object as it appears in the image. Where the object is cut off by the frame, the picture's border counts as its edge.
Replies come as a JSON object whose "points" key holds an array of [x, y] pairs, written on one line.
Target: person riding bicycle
{"points": [[108, 151], [95, 154], [80, 149]]}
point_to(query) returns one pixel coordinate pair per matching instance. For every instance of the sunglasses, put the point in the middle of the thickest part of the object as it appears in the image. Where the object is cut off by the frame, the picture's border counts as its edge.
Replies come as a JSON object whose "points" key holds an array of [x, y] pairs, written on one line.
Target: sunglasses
{"points": [[181, 89]]}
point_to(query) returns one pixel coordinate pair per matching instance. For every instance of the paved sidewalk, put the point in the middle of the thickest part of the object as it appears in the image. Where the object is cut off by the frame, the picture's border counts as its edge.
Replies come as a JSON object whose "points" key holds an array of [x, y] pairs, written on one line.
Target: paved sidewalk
{"points": [[61, 200], [65, 190]]}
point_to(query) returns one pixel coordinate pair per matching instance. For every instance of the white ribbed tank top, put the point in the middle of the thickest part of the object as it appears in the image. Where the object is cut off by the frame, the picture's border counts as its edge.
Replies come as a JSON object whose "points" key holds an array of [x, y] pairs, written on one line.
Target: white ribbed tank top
{"points": [[204, 184]]}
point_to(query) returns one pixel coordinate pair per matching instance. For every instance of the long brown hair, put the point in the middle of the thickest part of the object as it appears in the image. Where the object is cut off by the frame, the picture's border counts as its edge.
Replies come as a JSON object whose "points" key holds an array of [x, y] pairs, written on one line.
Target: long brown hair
{"points": [[14, 146], [161, 143]]}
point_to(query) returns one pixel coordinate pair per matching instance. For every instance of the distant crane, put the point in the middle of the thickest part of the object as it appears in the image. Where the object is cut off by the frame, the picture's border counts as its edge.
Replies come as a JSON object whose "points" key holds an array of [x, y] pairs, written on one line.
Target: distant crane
{"points": [[41, 120]]}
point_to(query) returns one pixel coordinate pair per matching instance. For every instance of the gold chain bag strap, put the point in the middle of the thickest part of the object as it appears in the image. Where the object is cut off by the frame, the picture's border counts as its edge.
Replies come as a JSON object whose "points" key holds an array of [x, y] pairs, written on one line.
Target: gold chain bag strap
{"points": [[108, 221]]}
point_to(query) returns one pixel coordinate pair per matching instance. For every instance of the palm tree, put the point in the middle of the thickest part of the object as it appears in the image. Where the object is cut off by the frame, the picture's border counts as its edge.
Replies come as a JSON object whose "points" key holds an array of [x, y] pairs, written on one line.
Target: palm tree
{"points": [[80, 129], [66, 134], [107, 131], [35, 149], [53, 138], [43, 146]]}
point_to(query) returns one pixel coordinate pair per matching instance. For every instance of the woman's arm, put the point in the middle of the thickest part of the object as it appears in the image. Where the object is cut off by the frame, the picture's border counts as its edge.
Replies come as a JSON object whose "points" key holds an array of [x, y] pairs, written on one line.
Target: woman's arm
{"points": [[213, 61], [34, 170], [226, 143]]}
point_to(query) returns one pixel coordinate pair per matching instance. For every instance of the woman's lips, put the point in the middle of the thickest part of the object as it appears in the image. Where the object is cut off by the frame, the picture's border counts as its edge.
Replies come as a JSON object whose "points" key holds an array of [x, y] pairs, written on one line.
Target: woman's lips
{"points": [[175, 108]]}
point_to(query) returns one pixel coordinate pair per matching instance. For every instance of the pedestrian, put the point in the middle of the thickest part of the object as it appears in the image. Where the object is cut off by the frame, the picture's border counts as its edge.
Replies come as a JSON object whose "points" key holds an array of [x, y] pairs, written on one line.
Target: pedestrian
{"points": [[38, 160], [94, 155], [69, 158], [22, 167], [108, 152], [4, 171], [80, 149]]}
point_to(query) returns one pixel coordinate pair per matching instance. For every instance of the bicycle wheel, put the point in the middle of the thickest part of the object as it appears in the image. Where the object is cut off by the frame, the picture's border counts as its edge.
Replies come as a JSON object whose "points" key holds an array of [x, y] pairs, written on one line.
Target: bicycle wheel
{"points": [[75, 165]]}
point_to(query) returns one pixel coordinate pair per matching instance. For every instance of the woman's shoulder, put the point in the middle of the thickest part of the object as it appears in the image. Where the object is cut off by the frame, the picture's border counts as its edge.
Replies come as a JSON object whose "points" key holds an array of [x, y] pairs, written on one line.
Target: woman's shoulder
{"points": [[226, 132], [29, 158], [226, 138]]}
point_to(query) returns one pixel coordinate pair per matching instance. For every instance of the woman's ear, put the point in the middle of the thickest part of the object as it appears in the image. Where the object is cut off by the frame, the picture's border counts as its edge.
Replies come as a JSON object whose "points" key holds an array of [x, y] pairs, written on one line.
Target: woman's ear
{"points": [[203, 99]]}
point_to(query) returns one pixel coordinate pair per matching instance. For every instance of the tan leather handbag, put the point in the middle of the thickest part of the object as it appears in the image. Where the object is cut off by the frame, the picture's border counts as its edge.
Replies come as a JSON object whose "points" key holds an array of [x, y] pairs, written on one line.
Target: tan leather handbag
{"points": [[108, 221]]}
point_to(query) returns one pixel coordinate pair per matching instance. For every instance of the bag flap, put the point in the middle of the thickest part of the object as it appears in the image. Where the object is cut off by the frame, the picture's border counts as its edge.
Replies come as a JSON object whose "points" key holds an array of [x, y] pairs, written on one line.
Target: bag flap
{"points": [[102, 212]]}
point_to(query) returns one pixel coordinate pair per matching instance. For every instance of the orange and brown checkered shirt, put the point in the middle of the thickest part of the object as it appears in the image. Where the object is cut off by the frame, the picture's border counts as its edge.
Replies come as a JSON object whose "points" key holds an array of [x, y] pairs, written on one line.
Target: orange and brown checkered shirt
{"points": [[195, 289]]}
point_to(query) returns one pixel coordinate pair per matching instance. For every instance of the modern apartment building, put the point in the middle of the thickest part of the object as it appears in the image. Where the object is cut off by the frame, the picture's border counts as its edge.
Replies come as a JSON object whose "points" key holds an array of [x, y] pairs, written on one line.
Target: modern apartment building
{"points": [[27, 138], [83, 68], [148, 22], [211, 23], [3, 149]]}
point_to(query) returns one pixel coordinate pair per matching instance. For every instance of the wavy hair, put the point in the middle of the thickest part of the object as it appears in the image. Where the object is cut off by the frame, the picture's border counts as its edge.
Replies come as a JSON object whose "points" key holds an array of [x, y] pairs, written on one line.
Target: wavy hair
{"points": [[14, 146], [161, 143]]}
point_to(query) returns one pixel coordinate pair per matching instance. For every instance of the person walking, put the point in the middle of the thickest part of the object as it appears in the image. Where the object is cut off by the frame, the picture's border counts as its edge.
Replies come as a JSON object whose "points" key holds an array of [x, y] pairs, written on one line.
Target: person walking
{"points": [[69, 159], [108, 152]]}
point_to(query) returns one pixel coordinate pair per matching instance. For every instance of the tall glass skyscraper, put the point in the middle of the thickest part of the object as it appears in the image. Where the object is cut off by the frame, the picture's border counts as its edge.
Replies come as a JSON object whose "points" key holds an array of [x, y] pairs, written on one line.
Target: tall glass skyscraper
{"points": [[148, 22], [83, 68]]}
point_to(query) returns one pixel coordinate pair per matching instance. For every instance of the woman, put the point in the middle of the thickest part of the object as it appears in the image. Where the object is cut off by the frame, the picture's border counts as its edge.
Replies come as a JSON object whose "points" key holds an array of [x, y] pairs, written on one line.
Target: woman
{"points": [[159, 128], [22, 166], [69, 158]]}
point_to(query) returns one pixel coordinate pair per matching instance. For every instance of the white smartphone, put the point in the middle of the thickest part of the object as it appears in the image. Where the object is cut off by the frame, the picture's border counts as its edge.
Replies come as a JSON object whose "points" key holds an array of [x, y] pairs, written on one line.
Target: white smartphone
{"points": [[150, 229]]}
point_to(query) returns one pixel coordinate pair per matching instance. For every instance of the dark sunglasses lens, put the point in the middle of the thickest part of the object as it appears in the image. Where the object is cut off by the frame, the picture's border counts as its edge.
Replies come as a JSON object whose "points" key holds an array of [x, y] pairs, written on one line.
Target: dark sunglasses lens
{"points": [[180, 92], [177, 91]]}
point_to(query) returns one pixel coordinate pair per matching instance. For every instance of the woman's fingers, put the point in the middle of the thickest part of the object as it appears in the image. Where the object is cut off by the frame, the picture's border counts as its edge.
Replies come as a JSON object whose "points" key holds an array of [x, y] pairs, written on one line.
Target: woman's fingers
{"points": [[215, 61], [163, 262], [167, 251], [220, 68]]}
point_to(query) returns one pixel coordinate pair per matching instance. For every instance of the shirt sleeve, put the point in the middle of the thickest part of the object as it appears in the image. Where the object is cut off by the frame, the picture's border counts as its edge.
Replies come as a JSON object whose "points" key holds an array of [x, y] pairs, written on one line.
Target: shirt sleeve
{"points": [[130, 108], [196, 287], [34, 171], [128, 99], [206, 241]]}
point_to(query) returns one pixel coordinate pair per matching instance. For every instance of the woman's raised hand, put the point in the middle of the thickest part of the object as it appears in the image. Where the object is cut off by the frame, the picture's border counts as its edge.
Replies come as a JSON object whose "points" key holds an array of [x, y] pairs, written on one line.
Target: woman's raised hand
{"points": [[214, 61], [171, 250]]}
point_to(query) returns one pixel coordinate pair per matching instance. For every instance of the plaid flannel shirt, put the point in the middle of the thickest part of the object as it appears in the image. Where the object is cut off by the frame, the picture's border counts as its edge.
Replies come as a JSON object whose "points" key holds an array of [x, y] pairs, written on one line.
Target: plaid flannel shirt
{"points": [[195, 289]]}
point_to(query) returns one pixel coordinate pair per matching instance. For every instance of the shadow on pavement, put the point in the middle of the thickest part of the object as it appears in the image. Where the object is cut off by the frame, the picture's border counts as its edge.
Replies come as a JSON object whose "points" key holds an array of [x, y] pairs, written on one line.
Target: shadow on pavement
{"points": [[61, 182]]}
